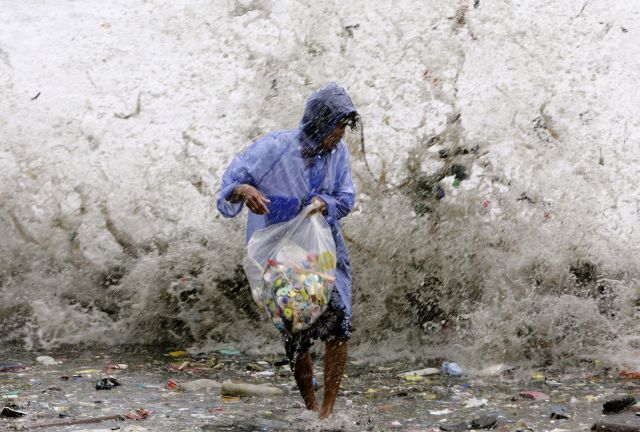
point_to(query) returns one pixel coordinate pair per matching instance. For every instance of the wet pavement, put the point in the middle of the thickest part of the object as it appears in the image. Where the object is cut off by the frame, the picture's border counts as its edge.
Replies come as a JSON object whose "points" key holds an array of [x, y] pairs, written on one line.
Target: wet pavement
{"points": [[149, 390]]}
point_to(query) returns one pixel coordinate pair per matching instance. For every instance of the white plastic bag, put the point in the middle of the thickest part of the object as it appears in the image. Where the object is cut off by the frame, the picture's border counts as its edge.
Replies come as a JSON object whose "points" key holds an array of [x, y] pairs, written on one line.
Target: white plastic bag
{"points": [[291, 270]]}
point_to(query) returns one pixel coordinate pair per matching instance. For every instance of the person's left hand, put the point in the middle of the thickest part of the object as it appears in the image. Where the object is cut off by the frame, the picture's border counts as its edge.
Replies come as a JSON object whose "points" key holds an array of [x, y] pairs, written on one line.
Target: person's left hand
{"points": [[321, 206]]}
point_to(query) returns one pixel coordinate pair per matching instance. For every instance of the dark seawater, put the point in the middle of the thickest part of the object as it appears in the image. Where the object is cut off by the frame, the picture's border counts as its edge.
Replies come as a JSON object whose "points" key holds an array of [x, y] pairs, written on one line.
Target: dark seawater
{"points": [[372, 398]]}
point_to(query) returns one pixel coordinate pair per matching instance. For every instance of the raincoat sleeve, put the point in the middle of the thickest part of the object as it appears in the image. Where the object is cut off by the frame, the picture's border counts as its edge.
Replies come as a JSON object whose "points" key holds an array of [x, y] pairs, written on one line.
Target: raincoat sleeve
{"points": [[341, 201], [244, 168]]}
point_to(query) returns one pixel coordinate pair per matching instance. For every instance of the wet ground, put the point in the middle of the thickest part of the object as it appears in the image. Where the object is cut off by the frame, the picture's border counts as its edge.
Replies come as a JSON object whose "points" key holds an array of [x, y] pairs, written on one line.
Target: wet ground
{"points": [[62, 395]]}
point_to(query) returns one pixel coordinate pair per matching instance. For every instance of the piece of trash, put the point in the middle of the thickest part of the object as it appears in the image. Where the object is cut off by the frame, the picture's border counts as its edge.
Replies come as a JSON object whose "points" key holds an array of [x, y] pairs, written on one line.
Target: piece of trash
{"points": [[440, 412], [617, 405], [267, 373], [475, 403], [280, 363], [199, 384], [538, 377], [613, 427], [139, 414], [46, 360], [243, 389], [452, 369], [230, 399], [11, 367], [372, 392], [412, 378], [254, 367], [119, 366], [559, 413], [208, 363], [229, 351], [624, 374], [77, 421], [11, 413], [495, 369], [150, 386], [536, 395], [107, 383], [171, 384], [179, 353], [421, 372], [484, 422]]}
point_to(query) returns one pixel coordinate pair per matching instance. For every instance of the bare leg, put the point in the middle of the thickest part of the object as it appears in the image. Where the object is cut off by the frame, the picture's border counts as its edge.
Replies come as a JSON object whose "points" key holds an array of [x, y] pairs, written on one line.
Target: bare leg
{"points": [[335, 358], [303, 373]]}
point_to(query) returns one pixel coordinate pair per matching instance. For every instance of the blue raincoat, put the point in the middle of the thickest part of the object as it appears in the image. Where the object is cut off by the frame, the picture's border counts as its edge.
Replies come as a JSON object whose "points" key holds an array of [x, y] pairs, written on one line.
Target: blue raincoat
{"points": [[275, 165]]}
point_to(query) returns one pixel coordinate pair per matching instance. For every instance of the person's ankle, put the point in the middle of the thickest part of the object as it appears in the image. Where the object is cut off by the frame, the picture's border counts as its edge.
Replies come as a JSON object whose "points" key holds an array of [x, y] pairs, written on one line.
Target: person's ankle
{"points": [[313, 406], [324, 413]]}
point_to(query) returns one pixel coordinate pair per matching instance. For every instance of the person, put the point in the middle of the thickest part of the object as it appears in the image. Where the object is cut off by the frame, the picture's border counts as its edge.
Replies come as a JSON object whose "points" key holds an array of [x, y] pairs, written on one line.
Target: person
{"points": [[276, 177]]}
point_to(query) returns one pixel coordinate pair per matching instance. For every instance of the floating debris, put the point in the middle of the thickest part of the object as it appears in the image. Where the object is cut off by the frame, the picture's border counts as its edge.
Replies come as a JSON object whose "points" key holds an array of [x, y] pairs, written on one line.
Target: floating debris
{"points": [[107, 383], [559, 413], [243, 389], [46, 360], [440, 412], [496, 369], [533, 394], [452, 369], [475, 403], [11, 413], [420, 372], [199, 384], [617, 405], [12, 367], [485, 422], [229, 351]]}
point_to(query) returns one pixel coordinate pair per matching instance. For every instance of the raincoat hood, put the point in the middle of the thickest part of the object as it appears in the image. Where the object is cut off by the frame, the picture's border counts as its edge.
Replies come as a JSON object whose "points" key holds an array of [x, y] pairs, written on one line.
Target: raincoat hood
{"points": [[324, 109]]}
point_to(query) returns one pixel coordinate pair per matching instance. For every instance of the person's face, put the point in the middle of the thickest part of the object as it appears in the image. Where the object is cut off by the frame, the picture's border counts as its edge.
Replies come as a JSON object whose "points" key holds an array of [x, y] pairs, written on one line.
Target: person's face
{"points": [[331, 142]]}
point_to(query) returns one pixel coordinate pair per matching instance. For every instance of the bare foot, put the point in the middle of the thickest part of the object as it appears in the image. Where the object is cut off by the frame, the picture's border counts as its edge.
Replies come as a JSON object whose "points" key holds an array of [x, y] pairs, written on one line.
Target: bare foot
{"points": [[303, 373], [334, 360], [323, 414]]}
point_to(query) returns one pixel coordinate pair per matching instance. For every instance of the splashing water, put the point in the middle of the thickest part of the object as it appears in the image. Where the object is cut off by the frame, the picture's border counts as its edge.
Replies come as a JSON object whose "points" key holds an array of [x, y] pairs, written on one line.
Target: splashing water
{"points": [[497, 211]]}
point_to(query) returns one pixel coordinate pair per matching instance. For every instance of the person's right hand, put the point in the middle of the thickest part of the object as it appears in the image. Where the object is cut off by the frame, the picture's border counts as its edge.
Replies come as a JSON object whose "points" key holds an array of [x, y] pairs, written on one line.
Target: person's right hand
{"points": [[252, 197]]}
